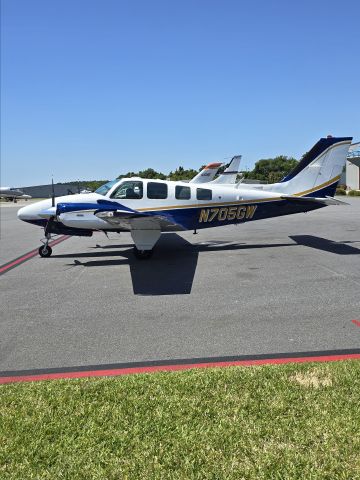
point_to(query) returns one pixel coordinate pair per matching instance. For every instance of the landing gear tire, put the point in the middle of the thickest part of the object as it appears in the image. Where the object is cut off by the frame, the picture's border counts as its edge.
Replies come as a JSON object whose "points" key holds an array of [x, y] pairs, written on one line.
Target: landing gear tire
{"points": [[142, 254], [45, 251]]}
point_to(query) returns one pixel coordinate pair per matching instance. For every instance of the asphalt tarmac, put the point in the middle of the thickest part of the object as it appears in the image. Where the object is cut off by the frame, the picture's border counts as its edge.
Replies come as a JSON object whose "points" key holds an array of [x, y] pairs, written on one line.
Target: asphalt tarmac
{"points": [[282, 285]]}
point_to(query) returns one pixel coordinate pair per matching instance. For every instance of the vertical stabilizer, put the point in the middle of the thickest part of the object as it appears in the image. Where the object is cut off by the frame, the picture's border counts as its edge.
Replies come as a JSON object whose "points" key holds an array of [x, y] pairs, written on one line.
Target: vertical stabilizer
{"points": [[319, 171], [229, 175], [207, 173]]}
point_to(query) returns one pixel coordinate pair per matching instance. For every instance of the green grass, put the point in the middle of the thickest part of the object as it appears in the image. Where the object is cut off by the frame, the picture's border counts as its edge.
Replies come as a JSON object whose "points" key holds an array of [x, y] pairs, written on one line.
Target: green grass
{"points": [[270, 422]]}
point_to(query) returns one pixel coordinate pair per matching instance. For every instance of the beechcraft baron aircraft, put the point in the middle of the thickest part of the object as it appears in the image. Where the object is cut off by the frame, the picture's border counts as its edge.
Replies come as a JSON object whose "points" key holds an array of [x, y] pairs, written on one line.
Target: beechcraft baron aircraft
{"points": [[147, 208]]}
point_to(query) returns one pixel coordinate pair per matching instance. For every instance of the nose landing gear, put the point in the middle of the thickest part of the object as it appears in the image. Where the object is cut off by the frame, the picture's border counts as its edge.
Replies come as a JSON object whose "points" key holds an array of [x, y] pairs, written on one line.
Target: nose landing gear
{"points": [[45, 251]]}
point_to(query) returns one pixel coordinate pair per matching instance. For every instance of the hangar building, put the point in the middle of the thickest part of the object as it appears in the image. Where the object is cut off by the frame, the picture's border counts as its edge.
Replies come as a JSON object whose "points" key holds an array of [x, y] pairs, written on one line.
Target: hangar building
{"points": [[45, 191], [353, 167]]}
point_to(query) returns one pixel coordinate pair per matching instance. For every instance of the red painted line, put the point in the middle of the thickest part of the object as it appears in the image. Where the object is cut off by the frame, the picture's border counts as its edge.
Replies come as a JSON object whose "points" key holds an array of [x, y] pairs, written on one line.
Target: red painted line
{"points": [[27, 256], [356, 322], [163, 368]]}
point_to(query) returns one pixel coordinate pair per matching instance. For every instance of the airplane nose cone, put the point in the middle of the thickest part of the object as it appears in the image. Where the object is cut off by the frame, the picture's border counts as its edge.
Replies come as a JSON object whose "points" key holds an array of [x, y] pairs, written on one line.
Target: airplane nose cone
{"points": [[21, 214], [33, 212], [28, 213]]}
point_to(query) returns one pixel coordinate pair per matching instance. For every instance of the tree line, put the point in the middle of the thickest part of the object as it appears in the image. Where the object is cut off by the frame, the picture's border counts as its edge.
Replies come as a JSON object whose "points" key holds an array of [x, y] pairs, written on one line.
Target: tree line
{"points": [[268, 170]]}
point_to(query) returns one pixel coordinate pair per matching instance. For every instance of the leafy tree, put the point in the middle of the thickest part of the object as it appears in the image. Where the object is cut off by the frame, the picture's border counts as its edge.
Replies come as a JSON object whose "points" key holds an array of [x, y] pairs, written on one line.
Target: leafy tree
{"points": [[272, 170], [147, 173], [182, 174], [269, 170]]}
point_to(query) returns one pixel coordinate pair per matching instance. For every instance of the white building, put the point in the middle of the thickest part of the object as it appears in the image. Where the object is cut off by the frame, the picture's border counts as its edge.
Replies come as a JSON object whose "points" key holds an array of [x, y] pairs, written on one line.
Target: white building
{"points": [[353, 167]]}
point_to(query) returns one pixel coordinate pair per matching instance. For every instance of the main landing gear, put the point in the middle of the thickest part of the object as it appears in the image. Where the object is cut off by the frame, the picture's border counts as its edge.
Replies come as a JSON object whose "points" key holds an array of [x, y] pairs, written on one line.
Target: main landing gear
{"points": [[145, 232], [143, 254]]}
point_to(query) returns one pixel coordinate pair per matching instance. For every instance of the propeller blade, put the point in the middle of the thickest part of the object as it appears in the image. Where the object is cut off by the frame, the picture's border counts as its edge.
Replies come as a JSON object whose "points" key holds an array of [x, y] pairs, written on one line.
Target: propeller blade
{"points": [[53, 193]]}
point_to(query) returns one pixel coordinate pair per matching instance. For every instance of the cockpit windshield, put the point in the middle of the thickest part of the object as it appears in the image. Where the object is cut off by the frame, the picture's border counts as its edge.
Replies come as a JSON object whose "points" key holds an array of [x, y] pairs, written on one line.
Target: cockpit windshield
{"points": [[103, 190]]}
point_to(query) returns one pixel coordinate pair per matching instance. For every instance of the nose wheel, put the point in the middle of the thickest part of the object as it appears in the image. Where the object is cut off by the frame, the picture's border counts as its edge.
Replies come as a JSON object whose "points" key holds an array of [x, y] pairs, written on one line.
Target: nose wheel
{"points": [[45, 251]]}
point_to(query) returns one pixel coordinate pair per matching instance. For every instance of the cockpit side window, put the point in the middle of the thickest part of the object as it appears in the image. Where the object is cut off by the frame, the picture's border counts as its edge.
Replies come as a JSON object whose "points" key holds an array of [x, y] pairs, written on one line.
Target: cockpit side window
{"points": [[103, 190], [203, 194], [129, 190]]}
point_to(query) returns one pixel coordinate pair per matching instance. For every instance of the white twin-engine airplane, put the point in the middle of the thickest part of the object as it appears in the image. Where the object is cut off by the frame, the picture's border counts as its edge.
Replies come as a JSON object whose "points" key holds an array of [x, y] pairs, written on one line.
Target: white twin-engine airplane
{"points": [[147, 208]]}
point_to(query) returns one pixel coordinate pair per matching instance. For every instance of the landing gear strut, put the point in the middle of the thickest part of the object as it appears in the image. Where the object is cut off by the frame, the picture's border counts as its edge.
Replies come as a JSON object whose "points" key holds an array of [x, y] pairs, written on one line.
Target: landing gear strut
{"points": [[143, 254], [45, 250]]}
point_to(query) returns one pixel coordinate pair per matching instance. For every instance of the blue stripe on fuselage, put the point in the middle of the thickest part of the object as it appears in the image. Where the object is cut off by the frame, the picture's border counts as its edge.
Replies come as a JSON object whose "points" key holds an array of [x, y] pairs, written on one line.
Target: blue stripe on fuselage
{"points": [[100, 205], [328, 191], [189, 218]]}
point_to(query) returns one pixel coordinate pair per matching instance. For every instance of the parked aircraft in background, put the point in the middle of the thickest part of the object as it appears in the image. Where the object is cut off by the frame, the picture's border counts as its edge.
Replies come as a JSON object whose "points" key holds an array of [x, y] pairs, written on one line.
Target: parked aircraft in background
{"points": [[208, 173], [12, 193], [146, 208]]}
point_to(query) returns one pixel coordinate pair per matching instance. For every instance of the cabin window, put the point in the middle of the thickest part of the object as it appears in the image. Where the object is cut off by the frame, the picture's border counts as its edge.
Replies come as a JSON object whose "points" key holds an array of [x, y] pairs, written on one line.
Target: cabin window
{"points": [[182, 193], [129, 190], [203, 194], [157, 190]]}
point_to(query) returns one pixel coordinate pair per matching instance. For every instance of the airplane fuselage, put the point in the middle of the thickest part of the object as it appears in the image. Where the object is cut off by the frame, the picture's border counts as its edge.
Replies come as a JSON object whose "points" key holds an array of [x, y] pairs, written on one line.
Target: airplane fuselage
{"points": [[204, 206]]}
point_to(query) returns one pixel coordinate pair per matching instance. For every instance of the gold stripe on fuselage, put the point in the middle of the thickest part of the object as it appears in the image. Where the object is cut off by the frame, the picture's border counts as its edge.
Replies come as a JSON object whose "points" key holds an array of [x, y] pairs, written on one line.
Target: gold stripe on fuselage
{"points": [[319, 187]]}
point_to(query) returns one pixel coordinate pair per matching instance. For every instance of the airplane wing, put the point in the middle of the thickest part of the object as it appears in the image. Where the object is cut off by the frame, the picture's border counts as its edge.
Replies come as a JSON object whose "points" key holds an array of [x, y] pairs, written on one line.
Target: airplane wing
{"points": [[322, 201], [118, 215], [207, 174]]}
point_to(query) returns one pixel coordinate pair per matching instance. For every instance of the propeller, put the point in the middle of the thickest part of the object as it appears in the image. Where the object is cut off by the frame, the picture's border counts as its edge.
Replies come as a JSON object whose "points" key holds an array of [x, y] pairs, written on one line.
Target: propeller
{"points": [[49, 213], [52, 192]]}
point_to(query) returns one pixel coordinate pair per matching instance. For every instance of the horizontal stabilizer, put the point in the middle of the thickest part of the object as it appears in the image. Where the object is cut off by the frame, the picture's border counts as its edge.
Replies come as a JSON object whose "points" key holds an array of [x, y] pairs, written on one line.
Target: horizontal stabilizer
{"points": [[322, 201]]}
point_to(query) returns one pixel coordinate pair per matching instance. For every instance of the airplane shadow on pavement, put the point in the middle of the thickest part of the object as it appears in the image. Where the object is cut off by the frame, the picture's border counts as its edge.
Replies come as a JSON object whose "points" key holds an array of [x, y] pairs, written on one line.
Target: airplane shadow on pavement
{"points": [[340, 248], [171, 269]]}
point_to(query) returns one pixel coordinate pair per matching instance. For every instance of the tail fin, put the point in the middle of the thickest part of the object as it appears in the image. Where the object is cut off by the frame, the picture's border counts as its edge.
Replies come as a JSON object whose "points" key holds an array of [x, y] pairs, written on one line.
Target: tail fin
{"points": [[230, 174], [319, 171], [207, 173]]}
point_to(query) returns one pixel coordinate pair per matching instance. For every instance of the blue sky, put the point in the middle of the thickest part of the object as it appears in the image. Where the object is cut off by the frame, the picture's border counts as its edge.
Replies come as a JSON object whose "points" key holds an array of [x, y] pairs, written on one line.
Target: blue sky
{"points": [[94, 88]]}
